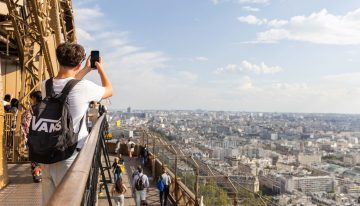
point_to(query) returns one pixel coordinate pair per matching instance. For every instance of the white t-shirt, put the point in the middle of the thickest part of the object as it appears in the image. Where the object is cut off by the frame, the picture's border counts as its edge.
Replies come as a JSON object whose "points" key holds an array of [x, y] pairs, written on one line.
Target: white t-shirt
{"points": [[166, 179], [130, 143], [79, 98]]}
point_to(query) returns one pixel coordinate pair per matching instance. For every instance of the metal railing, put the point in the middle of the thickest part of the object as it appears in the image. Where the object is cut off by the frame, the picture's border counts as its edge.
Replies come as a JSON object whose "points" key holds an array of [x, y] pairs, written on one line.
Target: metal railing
{"points": [[14, 140], [194, 179], [79, 185], [9, 136]]}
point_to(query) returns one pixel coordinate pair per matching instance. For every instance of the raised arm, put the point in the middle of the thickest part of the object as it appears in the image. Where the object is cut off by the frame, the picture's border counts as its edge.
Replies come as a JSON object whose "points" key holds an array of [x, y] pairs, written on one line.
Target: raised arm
{"points": [[83, 72], [104, 80]]}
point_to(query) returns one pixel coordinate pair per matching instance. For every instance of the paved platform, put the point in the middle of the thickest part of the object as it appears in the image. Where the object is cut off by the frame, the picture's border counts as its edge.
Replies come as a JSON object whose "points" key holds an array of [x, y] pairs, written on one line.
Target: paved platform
{"points": [[130, 167], [21, 190]]}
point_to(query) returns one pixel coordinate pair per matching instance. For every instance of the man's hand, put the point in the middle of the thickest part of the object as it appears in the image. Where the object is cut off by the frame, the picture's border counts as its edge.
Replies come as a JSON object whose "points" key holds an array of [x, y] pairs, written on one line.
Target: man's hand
{"points": [[99, 65]]}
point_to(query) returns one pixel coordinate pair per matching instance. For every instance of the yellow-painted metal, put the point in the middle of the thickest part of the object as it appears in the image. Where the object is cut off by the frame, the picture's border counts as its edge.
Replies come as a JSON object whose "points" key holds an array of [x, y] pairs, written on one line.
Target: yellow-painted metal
{"points": [[30, 31], [3, 161]]}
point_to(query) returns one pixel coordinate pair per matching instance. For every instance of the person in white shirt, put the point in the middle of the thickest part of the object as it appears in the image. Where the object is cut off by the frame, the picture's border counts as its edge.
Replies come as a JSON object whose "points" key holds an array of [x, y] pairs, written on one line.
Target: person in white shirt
{"points": [[118, 191], [131, 148], [140, 193], [70, 56], [166, 179], [92, 115]]}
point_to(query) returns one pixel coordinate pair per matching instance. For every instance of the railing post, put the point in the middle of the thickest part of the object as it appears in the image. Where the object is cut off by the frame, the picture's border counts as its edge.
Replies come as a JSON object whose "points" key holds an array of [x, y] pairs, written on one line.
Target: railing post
{"points": [[197, 186], [153, 164], [176, 186], [235, 200], [143, 137], [154, 141], [106, 155], [104, 179]]}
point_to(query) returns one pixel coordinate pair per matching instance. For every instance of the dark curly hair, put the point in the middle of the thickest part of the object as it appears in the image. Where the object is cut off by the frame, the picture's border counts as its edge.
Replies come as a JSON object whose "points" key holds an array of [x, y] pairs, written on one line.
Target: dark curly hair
{"points": [[36, 95], [70, 54]]}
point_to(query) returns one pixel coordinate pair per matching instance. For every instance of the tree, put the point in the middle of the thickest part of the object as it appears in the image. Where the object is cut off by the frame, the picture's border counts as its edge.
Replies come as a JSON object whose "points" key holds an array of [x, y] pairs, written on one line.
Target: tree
{"points": [[213, 194], [188, 180]]}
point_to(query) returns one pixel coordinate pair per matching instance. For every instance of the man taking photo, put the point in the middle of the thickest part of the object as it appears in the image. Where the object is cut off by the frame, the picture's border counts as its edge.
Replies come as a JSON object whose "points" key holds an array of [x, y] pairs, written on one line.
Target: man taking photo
{"points": [[70, 56]]}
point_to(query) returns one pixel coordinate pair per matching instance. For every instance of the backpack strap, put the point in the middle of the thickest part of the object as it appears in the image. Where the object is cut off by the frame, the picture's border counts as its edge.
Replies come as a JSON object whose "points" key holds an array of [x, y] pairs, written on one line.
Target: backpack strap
{"points": [[81, 122], [67, 88], [49, 88]]}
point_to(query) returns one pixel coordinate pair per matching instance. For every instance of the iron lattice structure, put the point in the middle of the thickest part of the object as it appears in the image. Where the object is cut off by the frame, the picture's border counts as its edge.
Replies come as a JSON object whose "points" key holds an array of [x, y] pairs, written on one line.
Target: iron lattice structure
{"points": [[38, 26], [30, 30]]}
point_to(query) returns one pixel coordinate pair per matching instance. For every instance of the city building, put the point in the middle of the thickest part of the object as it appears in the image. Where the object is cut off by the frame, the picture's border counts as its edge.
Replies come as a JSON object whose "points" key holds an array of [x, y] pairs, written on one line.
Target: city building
{"points": [[308, 159], [310, 184]]}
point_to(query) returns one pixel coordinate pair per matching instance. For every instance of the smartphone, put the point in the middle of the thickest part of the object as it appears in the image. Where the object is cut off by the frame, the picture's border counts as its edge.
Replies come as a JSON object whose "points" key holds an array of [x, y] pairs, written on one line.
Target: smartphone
{"points": [[95, 56]]}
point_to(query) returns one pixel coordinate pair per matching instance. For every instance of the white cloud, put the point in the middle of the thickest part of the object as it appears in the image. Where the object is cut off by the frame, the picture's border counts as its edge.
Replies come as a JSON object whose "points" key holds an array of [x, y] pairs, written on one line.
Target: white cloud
{"points": [[88, 19], [272, 35], [251, 94], [201, 58], [260, 69], [85, 14], [351, 78], [320, 27], [230, 68], [277, 23], [254, 1], [82, 34], [251, 19], [141, 77], [330, 94], [251, 9], [216, 2], [245, 83], [188, 76], [78, 3], [248, 67]]}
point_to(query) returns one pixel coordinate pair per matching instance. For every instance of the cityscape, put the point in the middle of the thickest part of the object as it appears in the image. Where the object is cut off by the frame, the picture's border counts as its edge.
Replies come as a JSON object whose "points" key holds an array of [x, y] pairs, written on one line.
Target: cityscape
{"points": [[180, 103], [297, 159]]}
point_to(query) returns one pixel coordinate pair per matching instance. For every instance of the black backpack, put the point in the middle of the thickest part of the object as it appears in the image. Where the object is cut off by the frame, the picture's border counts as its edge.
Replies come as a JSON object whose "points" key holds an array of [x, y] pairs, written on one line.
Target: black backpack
{"points": [[51, 135], [139, 185]]}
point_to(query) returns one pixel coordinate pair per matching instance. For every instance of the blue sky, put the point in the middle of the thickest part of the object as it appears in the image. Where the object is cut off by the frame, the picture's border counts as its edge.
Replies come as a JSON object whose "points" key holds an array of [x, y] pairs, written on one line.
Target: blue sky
{"points": [[240, 55]]}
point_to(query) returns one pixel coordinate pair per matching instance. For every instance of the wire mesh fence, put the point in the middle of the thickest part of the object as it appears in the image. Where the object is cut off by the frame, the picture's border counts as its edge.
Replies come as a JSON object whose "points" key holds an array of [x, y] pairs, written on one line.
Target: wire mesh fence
{"points": [[208, 186]]}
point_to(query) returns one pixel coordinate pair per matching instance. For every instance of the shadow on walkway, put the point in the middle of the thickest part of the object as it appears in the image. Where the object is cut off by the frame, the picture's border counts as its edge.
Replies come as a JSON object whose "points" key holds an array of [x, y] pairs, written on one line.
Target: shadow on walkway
{"points": [[130, 167], [21, 190]]}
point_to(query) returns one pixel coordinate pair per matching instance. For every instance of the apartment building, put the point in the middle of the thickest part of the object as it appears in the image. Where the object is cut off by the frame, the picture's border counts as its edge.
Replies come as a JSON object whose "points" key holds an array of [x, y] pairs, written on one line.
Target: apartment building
{"points": [[310, 183]]}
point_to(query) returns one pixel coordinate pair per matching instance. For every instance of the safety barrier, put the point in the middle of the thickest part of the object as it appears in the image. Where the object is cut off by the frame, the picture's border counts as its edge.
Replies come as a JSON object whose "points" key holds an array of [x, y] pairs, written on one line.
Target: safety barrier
{"points": [[79, 185], [194, 182]]}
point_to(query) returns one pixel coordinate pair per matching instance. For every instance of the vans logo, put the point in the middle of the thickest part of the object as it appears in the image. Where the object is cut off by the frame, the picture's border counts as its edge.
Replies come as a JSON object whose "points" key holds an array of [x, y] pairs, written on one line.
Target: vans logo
{"points": [[46, 125]]}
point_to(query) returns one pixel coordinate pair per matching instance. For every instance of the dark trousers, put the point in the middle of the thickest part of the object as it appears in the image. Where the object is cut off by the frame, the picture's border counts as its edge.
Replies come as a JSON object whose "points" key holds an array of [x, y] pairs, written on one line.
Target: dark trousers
{"points": [[164, 195]]}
